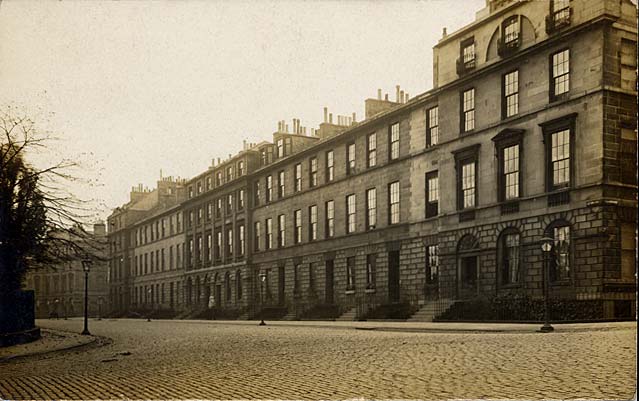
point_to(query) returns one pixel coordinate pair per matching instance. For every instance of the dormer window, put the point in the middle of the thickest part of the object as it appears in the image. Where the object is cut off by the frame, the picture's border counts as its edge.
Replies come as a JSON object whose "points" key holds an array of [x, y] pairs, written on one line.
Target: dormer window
{"points": [[280, 148], [559, 15], [560, 12], [466, 60], [511, 32], [468, 53], [263, 159]]}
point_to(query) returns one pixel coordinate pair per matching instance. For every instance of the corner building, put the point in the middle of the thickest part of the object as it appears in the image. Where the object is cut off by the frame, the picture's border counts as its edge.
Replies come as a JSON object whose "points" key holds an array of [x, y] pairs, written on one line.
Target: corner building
{"points": [[437, 202], [529, 131]]}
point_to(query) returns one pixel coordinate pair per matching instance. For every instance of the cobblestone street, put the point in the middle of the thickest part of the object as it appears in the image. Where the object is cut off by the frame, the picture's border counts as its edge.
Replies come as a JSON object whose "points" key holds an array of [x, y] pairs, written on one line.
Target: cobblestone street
{"points": [[195, 360]]}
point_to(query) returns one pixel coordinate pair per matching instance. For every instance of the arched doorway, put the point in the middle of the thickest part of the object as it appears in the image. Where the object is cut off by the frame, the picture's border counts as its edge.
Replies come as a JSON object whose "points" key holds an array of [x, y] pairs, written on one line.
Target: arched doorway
{"points": [[467, 266]]}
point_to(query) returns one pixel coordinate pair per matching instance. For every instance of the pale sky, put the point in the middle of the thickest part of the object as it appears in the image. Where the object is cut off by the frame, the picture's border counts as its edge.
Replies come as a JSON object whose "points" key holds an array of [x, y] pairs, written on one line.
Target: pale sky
{"points": [[133, 87]]}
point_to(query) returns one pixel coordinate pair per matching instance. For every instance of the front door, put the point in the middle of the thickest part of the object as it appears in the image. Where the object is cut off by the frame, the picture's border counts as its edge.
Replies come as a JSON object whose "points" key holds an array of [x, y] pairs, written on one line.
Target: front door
{"points": [[171, 295], [431, 287], [218, 295], [329, 281], [393, 276], [468, 277], [281, 285]]}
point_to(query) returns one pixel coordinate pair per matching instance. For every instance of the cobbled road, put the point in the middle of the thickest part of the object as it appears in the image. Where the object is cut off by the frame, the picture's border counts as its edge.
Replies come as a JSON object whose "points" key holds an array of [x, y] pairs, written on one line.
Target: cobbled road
{"points": [[215, 360]]}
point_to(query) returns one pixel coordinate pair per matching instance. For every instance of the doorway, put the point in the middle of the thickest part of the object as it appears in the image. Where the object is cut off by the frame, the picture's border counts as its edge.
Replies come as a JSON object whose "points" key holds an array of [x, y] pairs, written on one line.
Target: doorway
{"points": [[393, 276], [329, 281], [281, 285], [468, 276]]}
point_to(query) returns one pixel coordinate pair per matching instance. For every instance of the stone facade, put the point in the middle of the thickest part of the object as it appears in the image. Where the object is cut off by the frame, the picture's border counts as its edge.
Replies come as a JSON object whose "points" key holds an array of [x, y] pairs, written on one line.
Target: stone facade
{"points": [[59, 290], [529, 132]]}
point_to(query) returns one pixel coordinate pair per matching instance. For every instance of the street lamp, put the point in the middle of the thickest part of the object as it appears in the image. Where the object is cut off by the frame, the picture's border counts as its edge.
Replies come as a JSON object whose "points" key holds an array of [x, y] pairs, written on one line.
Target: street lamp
{"points": [[86, 265], [262, 277], [150, 297], [546, 247], [100, 308]]}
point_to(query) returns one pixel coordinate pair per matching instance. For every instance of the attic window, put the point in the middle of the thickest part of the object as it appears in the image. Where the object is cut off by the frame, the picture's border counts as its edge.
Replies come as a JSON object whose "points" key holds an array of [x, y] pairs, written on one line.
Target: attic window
{"points": [[468, 53], [511, 32]]}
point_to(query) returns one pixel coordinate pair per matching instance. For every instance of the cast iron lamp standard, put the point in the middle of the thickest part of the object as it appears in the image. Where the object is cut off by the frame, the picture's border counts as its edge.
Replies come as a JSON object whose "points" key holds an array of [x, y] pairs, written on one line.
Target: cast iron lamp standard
{"points": [[148, 316], [546, 247], [86, 265], [262, 277]]}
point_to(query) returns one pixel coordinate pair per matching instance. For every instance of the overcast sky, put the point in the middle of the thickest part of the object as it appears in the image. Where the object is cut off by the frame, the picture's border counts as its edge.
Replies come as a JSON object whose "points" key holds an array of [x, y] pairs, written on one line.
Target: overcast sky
{"points": [[135, 87]]}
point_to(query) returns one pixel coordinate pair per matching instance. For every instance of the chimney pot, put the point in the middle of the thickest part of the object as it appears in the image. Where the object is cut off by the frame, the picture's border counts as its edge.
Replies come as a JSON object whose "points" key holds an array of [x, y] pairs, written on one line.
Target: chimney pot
{"points": [[386, 97], [444, 32], [354, 119], [397, 93], [330, 118], [379, 94], [325, 114]]}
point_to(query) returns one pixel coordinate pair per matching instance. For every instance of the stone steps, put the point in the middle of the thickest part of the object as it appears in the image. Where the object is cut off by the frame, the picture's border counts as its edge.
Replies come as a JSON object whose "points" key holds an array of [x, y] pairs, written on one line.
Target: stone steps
{"points": [[348, 316], [430, 310]]}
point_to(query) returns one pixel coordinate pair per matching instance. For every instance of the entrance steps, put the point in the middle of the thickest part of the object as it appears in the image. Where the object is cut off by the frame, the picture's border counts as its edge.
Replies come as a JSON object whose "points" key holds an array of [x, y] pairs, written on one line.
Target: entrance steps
{"points": [[290, 315], [348, 316], [243, 316], [430, 310]]}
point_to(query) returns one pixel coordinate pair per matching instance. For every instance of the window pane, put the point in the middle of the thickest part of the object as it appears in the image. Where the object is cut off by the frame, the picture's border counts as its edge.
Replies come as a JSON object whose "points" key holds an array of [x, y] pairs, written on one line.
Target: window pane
{"points": [[468, 185], [394, 139], [371, 205], [562, 252], [433, 189], [560, 157], [394, 202], [433, 125], [561, 71]]}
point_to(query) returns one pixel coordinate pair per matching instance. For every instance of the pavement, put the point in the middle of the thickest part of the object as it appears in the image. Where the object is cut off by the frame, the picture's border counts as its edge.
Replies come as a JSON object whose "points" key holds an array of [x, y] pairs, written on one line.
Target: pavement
{"points": [[50, 341], [330, 360]]}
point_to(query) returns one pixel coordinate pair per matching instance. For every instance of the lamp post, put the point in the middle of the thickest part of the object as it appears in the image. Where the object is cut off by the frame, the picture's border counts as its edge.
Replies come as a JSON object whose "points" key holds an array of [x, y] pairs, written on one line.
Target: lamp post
{"points": [[546, 247], [150, 293], [100, 308], [262, 276], [86, 265]]}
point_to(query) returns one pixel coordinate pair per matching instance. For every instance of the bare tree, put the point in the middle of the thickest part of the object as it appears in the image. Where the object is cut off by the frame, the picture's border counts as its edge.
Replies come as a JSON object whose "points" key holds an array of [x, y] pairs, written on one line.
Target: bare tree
{"points": [[41, 223]]}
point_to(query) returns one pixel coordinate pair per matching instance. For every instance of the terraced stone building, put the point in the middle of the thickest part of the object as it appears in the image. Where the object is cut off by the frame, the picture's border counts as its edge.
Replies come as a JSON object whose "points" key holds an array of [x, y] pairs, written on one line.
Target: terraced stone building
{"points": [[529, 131]]}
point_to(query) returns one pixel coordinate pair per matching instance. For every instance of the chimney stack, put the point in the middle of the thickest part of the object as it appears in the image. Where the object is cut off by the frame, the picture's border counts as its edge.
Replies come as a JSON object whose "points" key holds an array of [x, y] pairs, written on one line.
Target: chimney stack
{"points": [[407, 97], [444, 32], [218, 161], [325, 114], [397, 93], [379, 94], [380, 97], [386, 97], [330, 118]]}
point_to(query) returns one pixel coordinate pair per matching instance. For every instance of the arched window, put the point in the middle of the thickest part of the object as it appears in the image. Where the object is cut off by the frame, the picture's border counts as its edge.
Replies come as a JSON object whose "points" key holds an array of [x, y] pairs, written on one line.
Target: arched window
{"points": [[509, 257], [238, 284], [560, 256]]}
